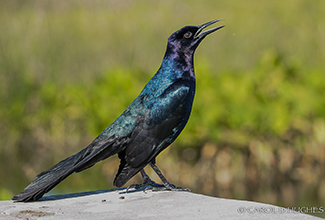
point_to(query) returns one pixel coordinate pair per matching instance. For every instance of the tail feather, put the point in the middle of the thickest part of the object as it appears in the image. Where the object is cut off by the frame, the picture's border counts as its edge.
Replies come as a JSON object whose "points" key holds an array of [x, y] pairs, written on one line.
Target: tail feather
{"points": [[125, 173], [98, 150], [45, 181]]}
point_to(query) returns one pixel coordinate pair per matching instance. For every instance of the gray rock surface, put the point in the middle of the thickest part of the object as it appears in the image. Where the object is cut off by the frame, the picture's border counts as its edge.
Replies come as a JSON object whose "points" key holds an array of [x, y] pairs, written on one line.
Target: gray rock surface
{"points": [[143, 205]]}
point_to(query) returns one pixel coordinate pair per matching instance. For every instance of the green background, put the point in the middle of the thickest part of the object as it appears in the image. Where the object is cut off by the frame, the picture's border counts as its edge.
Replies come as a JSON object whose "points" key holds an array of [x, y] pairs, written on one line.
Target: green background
{"points": [[257, 129]]}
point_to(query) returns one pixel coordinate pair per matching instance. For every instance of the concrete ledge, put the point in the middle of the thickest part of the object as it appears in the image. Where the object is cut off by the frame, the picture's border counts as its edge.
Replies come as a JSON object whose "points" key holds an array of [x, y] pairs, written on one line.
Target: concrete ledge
{"points": [[113, 204]]}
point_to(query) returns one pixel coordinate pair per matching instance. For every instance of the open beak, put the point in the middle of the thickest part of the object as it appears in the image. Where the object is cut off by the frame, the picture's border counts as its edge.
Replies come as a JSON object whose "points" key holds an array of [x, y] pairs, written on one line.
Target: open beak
{"points": [[200, 35]]}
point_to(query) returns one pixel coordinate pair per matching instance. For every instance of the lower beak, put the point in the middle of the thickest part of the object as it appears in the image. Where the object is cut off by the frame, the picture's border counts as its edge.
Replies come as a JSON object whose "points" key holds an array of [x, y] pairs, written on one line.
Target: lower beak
{"points": [[205, 33]]}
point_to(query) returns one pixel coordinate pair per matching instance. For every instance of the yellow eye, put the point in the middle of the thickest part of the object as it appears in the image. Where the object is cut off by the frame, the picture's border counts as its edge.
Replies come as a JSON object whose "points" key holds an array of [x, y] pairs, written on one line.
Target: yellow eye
{"points": [[188, 34]]}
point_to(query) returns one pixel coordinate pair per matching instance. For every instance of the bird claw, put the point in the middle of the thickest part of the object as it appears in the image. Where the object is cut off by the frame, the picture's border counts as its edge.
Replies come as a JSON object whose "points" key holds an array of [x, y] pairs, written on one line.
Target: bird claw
{"points": [[146, 185], [170, 187], [155, 187], [149, 184]]}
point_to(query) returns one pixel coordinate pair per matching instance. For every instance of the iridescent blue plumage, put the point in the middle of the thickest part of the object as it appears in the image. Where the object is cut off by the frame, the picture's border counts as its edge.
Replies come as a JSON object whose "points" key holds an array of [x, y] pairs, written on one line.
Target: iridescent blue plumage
{"points": [[149, 125]]}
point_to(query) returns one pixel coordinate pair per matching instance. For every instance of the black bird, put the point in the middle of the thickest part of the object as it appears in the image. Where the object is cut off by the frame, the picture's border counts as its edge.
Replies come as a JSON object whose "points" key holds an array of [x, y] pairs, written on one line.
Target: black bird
{"points": [[149, 125]]}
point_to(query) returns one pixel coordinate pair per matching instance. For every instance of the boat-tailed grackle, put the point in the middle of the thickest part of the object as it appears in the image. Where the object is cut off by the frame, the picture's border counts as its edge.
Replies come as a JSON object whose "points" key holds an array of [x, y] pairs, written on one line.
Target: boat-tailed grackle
{"points": [[149, 125]]}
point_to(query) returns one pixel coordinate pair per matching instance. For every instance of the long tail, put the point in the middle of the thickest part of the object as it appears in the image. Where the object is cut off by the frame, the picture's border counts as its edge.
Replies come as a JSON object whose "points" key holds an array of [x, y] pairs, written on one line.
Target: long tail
{"points": [[45, 181], [86, 158]]}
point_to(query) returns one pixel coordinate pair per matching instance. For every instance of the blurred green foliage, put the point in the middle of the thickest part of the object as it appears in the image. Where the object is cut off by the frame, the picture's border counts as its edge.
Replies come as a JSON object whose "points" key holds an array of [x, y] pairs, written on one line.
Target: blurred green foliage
{"points": [[257, 131]]}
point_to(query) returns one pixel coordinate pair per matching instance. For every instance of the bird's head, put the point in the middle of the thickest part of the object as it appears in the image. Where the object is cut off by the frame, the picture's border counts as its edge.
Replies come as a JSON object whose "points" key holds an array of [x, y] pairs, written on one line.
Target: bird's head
{"points": [[186, 40]]}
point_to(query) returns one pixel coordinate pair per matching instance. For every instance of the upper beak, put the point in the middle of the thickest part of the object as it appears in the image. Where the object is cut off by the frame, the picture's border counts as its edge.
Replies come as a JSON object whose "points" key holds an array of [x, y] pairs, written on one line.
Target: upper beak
{"points": [[205, 33]]}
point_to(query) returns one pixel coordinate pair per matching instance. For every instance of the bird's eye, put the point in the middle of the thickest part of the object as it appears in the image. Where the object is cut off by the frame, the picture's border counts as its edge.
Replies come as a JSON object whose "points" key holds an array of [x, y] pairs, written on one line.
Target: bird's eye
{"points": [[188, 34]]}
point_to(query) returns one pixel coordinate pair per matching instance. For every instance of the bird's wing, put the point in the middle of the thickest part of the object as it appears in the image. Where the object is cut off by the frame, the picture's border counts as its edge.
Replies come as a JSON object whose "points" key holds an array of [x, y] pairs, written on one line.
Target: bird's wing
{"points": [[163, 122]]}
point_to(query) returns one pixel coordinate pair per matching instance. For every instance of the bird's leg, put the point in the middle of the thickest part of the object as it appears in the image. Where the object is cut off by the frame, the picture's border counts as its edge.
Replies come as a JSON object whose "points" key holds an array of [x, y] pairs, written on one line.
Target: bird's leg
{"points": [[150, 184], [147, 183], [167, 186]]}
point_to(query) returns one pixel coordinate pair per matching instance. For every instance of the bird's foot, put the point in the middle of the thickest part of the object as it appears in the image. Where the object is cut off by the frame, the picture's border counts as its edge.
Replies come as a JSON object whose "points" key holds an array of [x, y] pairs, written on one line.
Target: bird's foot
{"points": [[169, 187], [147, 184], [155, 187]]}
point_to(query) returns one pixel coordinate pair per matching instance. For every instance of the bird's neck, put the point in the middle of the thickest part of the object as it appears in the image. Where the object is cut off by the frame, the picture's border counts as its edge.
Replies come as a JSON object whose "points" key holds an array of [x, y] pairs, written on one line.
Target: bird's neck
{"points": [[179, 64], [173, 68]]}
